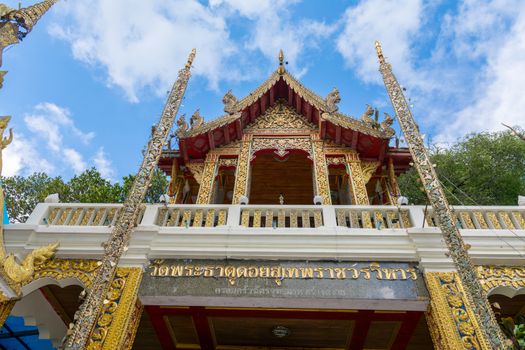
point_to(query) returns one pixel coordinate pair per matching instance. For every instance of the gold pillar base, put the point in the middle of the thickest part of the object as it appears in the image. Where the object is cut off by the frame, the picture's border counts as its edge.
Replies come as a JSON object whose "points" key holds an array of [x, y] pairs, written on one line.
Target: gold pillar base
{"points": [[117, 323], [451, 321]]}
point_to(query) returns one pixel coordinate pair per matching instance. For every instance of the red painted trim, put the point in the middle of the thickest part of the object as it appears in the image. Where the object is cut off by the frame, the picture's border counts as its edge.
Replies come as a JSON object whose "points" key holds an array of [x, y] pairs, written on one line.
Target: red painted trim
{"points": [[382, 151], [290, 96], [406, 331], [202, 327], [338, 134], [322, 126], [161, 328], [360, 331], [308, 108], [238, 127], [184, 150], [298, 103], [211, 141], [355, 138], [226, 131], [272, 95], [264, 103]]}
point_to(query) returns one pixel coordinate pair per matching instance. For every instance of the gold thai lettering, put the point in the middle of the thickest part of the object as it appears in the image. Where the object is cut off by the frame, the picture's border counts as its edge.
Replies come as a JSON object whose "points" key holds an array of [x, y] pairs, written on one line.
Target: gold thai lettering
{"points": [[307, 272], [366, 272], [292, 272], [377, 268], [208, 271], [330, 272], [280, 273], [253, 272], [340, 273], [177, 270]]}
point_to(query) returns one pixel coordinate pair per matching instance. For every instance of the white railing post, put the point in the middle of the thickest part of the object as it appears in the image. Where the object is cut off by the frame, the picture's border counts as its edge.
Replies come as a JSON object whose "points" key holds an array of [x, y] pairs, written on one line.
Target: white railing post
{"points": [[38, 214], [329, 218], [150, 215], [234, 216], [417, 215]]}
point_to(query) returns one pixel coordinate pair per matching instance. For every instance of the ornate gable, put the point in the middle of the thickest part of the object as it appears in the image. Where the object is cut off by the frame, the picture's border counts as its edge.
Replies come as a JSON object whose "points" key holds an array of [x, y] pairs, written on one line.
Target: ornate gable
{"points": [[280, 118]]}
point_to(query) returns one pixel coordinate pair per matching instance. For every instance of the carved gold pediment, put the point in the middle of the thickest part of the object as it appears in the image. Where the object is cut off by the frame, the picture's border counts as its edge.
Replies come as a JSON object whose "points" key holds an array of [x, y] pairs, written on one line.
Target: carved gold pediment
{"points": [[280, 118]]}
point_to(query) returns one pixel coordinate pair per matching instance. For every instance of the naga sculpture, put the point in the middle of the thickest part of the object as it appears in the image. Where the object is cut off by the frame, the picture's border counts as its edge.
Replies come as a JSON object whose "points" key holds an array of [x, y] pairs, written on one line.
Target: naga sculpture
{"points": [[331, 100], [182, 126], [366, 117], [196, 119], [229, 101]]}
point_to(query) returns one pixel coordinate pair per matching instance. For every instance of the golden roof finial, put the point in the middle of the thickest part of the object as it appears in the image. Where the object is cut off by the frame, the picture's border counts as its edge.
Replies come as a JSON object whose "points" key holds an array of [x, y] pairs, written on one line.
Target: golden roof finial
{"points": [[379, 51], [281, 69]]}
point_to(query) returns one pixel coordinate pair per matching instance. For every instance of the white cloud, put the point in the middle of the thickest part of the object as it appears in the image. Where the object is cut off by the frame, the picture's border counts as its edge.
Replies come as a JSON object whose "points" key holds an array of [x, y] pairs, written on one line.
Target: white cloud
{"points": [[103, 164], [22, 157], [493, 33], [50, 144], [394, 23], [142, 44], [75, 160], [47, 121], [274, 28], [145, 43]]}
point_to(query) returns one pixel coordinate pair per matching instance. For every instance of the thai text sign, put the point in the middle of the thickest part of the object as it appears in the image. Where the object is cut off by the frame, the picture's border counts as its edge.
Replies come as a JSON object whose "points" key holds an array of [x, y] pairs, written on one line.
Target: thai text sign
{"points": [[160, 268]]}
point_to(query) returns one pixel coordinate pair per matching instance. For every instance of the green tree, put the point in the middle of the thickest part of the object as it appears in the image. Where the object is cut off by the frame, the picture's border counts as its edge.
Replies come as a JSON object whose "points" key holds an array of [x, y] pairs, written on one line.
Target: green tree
{"points": [[22, 194], [159, 186], [91, 187], [480, 169]]}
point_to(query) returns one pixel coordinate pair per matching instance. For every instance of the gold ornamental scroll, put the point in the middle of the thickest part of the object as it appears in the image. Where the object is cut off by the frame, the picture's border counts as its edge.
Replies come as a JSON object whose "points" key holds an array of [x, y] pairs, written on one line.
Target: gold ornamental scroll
{"points": [[117, 322], [242, 172], [322, 185], [452, 324], [396, 192], [208, 178], [357, 179]]}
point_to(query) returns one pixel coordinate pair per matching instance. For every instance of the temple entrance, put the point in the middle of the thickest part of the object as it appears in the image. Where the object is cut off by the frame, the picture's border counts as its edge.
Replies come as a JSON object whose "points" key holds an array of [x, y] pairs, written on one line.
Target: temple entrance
{"points": [[291, 176]]}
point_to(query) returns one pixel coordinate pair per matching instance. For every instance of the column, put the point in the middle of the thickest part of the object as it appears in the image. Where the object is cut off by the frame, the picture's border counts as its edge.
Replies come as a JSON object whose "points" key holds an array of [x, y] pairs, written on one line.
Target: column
{"points": [[450, 319], [356, 179], [322, 185], [118, 320], [208, 178], [396, 192], [5, 309], [242, 173]]}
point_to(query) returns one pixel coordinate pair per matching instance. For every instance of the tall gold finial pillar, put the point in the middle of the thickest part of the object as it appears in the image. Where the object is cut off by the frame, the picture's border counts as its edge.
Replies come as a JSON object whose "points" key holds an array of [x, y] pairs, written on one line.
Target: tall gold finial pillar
{"points": [[281, 69], [475, 295]]}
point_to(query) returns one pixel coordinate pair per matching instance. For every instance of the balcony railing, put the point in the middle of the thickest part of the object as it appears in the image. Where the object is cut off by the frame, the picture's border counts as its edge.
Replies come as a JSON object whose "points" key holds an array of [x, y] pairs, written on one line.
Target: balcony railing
{"points": [[278, 216]]}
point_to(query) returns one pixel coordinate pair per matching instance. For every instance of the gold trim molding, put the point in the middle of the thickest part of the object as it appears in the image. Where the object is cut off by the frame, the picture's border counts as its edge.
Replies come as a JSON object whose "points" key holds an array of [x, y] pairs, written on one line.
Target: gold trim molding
{"points": [[454, 324]]}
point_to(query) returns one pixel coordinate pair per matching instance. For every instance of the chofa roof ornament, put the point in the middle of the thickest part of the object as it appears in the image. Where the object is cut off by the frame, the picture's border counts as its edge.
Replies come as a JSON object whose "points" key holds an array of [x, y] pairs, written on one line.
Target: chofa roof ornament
{"points": [[229, 101]]}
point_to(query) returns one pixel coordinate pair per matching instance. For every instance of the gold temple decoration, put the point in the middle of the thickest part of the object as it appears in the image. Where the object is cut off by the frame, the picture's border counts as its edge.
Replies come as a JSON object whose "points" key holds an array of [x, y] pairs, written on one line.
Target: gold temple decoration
{"points": [[368, 168], [454, 323], [281, 69], [13, 272], [357, 180], [492, 277], [16, 24], [243, 169], [120, 313], [208, 178], [280, 145], [282, 119], [126, 221], [482, 313], [196, 170], [322, 185]]}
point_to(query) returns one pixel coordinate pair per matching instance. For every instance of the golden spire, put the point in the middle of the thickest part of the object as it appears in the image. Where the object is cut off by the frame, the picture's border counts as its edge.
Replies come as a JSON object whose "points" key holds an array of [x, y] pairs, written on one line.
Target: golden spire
{"points": [[281, 69], [379, 51], [28, 16]]}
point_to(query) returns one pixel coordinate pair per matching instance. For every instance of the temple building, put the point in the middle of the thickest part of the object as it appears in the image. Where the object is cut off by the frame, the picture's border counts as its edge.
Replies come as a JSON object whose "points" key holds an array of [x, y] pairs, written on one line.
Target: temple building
{"points": [[284, 229]]}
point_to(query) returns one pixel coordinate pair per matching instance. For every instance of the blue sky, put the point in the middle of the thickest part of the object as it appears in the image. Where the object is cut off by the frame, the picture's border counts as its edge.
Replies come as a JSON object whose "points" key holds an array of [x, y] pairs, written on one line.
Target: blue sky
{"points": [[86, 85]]}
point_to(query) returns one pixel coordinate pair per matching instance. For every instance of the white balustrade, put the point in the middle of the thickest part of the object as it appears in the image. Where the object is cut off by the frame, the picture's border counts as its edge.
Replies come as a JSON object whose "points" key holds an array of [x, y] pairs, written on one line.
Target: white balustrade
{"points": [[278, 216]]}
